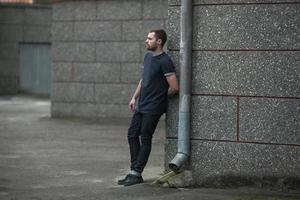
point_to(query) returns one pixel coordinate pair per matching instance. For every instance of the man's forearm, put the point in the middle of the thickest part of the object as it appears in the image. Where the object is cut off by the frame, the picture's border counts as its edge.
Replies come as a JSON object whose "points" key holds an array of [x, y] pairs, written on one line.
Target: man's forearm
{"points": [[137, 91]]}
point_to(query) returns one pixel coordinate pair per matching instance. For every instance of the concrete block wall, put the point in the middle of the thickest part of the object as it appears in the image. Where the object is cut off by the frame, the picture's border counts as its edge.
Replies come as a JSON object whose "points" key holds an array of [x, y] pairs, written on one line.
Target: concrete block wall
{"points": [[20, 23], [245, 126], [98, 49]]}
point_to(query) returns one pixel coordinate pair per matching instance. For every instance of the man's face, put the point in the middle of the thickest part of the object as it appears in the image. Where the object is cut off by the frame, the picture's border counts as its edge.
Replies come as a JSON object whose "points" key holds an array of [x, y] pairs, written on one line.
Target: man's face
{"points": [[151, 42]]}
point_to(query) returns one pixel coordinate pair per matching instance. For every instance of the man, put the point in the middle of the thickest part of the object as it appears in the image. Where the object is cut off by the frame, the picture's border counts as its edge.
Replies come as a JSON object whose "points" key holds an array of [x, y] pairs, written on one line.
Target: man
{"points": [[158, 82]]}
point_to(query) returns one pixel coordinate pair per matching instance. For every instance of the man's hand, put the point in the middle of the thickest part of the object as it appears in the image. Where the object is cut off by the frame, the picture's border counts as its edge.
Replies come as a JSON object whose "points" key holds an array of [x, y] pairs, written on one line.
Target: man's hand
{"points": [[173, 85], [131, 105]]}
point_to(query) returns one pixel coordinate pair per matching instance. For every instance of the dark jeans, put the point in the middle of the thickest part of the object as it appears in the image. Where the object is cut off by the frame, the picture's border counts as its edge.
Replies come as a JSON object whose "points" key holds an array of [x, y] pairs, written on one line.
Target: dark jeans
{"points": [[140, 134]]}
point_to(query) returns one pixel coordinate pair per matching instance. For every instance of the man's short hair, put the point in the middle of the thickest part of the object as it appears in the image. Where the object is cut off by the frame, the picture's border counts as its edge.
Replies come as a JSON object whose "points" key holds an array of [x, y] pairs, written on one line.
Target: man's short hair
{"points": [[160, 34]]}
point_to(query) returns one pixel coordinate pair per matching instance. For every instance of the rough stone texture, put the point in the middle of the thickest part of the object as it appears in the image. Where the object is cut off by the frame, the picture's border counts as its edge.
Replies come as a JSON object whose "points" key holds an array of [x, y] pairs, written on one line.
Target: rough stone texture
{"points": [[211, 118], [20, 24], [270, 120], [114, 93], [89, 110], [122, 51], [265, 26], [214, 118], [155, 9], [83, 51], [8, 51], [61, 71], [62, 11], [37, 34], [9, 68], [11, 33], [102, 43], [258, 73], [62, 31], [72, 92], [11, 15], [236, 164], [85, 31], [119, 10], [138, 30], [33, 16], [210, 2], [245, 104], [84, 10], [131, 72], [97, 72]]}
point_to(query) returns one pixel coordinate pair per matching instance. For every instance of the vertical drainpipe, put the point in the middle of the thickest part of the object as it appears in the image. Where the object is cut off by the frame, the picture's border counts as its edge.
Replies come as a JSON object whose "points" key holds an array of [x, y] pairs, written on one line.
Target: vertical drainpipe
{"points": [[186, 37]]}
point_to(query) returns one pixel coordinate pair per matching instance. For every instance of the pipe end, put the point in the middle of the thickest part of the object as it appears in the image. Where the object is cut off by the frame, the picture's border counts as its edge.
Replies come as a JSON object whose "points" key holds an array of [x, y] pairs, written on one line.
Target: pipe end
{"points": [[174, 167], [178, 161]]}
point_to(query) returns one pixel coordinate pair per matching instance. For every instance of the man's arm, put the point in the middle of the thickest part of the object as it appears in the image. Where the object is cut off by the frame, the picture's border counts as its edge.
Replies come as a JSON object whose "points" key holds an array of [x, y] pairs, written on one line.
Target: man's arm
{"points": [[136, 94], [173, 84]]}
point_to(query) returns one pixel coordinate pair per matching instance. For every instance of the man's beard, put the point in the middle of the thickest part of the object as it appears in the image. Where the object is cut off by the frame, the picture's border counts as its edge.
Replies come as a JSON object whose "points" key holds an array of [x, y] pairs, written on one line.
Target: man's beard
{"points": [[151, 48]]}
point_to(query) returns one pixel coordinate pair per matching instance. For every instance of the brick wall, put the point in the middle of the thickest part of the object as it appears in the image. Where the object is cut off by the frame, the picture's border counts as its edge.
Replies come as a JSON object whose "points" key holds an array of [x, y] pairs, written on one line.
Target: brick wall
{"points": [[98, 48], [246, 92]]}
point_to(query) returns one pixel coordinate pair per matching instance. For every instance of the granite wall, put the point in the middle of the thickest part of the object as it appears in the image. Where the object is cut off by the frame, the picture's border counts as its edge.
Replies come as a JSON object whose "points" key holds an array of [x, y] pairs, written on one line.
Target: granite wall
{"points": [[20, 24], [245, 127], [98, 48]]}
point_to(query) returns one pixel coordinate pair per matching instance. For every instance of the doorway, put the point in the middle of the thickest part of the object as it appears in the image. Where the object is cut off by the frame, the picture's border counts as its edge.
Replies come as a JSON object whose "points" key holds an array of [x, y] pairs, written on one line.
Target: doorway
{"points": [[35, 63]]}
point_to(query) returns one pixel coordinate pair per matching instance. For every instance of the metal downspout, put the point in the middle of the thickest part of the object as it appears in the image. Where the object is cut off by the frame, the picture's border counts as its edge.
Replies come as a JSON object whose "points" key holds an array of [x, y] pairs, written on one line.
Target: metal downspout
{"points": [[186, 38]]}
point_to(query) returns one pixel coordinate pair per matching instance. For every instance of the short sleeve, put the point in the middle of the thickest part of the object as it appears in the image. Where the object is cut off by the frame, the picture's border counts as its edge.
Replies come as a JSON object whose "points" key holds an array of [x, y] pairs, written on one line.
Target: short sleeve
{"points": [[167, 67]]}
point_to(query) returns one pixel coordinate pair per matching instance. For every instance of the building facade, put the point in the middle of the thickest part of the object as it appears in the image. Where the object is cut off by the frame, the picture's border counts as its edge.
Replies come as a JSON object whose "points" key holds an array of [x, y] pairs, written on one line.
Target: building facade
{"points": [[245, 126]]}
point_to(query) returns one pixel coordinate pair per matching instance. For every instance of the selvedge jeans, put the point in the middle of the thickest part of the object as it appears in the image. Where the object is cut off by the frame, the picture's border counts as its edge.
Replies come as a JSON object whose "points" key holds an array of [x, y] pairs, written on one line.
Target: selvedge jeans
{"points": [[140, 133]]}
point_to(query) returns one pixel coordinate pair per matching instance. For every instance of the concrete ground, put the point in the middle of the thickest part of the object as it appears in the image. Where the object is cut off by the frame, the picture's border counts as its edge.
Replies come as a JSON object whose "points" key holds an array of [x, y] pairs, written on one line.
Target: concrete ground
{"points": [[44, 158]]}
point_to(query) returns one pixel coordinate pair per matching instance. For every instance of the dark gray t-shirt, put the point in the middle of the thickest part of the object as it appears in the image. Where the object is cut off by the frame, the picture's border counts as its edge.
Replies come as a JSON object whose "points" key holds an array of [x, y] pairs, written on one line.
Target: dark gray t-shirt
{"points": [[154, 87]]}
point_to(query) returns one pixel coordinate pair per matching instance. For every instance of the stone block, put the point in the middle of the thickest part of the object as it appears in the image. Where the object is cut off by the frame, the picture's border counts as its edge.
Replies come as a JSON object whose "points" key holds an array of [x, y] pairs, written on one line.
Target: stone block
{"points": [[97, 31], [97, 72], [38, 16], [270, 120], [118, 51], [113, 110], [255, 26], [84, 10], [199, 2], [11, 33], [143, 51], [62, 31], [63, 51], [11, 15], [9, 50], [173, 27], [214, 117], [107, 9], [9, 68], [174, 55], [62, 11], [131, 72], [88, 110], [247, 73], [155, 9], [114, 93], [174, 2], [37, 33], [61, 71], [218, 164], [211, 118], [72, 92], [172, 117], [8, 85], [138, 30]]}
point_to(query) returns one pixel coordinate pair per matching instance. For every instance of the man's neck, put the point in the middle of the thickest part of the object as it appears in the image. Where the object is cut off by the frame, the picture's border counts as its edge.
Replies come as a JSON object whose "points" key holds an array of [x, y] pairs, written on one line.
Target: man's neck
{"points": [[157, 52]]}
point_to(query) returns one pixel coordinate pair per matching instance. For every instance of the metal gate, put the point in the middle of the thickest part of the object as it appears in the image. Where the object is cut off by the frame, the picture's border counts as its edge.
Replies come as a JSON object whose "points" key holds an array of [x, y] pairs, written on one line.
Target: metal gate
{"points": [[35, 72]]}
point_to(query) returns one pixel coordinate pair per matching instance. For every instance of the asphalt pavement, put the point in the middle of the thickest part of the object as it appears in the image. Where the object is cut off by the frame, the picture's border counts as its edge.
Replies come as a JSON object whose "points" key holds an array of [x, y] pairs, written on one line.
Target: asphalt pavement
{"points": [[42, 158]]}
